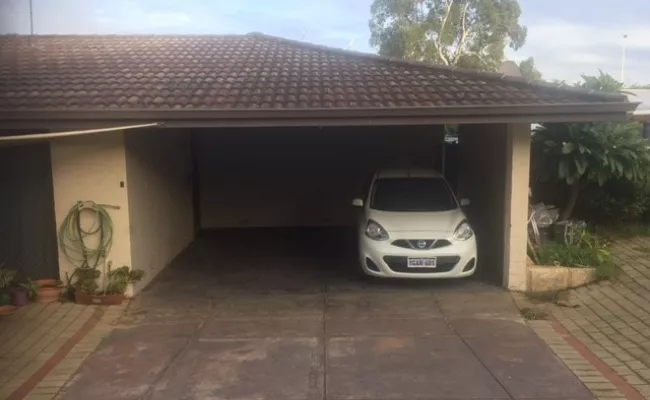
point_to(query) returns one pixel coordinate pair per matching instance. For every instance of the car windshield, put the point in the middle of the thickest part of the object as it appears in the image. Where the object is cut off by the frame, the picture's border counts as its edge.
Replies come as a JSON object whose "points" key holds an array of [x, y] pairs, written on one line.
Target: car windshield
{"points": [[412, 194]]}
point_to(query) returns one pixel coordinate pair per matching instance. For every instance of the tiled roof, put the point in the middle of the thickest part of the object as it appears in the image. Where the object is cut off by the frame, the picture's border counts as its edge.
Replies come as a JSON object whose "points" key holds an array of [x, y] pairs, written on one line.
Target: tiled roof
{"points": [[239, 72]]}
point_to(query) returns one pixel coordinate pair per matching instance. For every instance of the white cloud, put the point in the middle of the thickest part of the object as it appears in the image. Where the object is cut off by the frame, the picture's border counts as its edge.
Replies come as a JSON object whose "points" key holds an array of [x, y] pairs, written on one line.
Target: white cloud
{"points": [[586, 58], [564, 50], [570, 35], [166, 19], [82, 17]]}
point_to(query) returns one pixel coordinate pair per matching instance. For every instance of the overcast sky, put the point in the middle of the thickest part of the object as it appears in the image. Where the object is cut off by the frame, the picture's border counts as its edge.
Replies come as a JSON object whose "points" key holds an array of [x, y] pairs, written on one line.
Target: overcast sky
{"points": [[566, 37]]}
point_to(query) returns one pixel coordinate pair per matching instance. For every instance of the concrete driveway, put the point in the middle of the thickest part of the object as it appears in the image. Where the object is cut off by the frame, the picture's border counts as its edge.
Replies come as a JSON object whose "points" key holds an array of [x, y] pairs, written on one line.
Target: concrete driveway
{"points": [[273, 317]]}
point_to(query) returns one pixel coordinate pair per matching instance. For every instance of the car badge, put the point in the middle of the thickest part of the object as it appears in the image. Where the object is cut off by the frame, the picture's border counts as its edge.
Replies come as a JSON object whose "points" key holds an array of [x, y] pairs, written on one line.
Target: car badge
{"points": [[422, 244]]}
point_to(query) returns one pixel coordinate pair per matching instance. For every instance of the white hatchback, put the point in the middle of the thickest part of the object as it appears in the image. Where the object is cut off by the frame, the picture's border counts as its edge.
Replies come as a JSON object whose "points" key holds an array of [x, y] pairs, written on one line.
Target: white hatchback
{"points": [[413, 227]]}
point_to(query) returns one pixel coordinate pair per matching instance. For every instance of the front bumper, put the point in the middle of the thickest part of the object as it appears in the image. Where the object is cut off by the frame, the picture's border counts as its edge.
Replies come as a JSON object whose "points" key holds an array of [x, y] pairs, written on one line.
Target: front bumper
{"points": [[383, 259]]}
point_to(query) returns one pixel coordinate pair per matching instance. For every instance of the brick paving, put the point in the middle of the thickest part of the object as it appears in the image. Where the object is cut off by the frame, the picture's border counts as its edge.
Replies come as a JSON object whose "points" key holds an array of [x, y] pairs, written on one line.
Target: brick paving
{"points": [[33, 340], [612, 320]]}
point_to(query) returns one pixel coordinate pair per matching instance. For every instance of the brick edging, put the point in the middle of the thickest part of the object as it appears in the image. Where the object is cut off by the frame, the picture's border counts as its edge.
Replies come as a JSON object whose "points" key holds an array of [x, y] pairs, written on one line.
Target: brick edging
{"points": [[57, 357], [620, 383]]}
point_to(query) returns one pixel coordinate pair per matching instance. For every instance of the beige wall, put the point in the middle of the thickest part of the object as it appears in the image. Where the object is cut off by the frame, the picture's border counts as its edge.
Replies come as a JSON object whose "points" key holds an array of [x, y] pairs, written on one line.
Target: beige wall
{"points": [[92, 168], [299, 176], [158, 165], [144, 173], [516, 207]]}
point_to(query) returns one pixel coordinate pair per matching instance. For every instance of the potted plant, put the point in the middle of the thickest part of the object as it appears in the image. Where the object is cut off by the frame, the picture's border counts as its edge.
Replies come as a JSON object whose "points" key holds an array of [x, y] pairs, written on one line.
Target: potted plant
{"points": [[47, 282], [87, 289], [26, 292], [47, 290], [19, 296], [6, 281]]}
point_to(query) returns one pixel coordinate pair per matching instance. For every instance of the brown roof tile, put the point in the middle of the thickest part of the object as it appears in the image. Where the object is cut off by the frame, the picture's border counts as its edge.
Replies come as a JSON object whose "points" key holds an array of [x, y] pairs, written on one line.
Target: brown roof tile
{"points": [[244, 72]]}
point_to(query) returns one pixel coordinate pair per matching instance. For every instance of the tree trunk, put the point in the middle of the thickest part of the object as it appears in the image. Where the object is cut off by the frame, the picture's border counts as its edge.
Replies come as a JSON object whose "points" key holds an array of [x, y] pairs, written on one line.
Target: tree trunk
{"points": [[574, 191]]}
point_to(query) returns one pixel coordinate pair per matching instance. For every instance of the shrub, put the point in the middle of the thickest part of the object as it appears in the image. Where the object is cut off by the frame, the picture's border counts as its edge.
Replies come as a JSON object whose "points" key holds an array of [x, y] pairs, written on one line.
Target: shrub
{"points": [[589, 251], [615, 202], [581, 154]]}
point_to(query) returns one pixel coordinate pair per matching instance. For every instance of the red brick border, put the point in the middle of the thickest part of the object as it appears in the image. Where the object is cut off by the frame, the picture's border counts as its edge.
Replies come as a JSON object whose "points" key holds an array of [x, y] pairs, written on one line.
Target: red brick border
{"points": [[621, 384], [57, 357]]}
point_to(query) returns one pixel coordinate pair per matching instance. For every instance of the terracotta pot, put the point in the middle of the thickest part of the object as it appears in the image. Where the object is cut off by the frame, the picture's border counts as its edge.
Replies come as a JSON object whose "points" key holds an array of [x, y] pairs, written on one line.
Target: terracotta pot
{"points": [[47, 282], [7, 310], [48, 295], [101, 300], [20, 297]]}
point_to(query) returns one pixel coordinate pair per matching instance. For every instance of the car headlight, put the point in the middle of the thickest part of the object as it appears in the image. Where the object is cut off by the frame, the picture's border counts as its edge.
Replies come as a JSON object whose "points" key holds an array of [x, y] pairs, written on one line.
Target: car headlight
{"points": [[463, 231], [375, 231]]}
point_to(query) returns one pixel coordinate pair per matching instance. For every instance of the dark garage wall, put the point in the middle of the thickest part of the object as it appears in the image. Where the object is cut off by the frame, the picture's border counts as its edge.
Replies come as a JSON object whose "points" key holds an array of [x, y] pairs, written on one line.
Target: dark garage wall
{"points": [[299, 176], [482, 179], [27, 224]]}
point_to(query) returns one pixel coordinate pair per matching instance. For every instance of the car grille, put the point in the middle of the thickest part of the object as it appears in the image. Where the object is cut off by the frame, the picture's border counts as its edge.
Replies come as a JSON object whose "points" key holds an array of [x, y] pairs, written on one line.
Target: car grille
{"points": [[420, 244], [399, 264]]}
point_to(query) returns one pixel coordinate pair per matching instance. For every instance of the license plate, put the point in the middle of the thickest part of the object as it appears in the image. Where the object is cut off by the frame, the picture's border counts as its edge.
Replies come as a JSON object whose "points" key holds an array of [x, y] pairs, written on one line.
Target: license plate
{"points": [[421, 262]]}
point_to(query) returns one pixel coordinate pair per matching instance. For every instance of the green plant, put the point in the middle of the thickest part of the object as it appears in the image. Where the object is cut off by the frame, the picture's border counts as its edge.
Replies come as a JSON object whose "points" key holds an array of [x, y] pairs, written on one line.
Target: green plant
{"points": [[6, 281], [617, 201], [595, 152], [578, 255], [31, 288], [119, 279], [6, 278], [116, 280], [533, 313], [86, 280], [588, 240]]}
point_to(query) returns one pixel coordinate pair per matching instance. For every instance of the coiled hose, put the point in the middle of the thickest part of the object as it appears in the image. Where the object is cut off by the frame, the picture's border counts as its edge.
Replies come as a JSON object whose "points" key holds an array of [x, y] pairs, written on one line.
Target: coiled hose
{"points": [[73, 237]]}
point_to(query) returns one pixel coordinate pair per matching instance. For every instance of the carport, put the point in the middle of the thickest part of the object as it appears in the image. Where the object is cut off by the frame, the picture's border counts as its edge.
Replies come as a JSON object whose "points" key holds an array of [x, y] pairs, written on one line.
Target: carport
{"points": [[262, 132]]}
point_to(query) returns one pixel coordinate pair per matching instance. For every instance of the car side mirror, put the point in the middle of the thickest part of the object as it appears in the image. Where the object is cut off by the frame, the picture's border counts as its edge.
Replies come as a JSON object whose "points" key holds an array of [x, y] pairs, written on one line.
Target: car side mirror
{"points": [[357, 202], [465, 202]]}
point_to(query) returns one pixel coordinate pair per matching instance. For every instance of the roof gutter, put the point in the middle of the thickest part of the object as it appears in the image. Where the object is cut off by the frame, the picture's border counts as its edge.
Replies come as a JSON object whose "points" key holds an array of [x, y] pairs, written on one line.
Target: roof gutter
{"points": [[35, 137], [203, 118]]}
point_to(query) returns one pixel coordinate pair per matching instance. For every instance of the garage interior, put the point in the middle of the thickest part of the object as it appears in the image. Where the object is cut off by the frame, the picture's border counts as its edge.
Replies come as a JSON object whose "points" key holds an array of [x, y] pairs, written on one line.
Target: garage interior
{"points": [[279, 199], [276, 194]]}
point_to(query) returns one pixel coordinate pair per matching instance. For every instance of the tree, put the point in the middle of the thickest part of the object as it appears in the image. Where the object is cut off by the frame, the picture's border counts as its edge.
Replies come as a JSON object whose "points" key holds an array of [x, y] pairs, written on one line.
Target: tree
{"points": [[528, 70], [576, 154], [463, 33]]}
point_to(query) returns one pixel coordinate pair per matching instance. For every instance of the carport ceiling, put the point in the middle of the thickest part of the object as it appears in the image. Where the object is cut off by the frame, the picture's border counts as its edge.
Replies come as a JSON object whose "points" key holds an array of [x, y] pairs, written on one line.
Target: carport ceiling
{"points": [[259, 80]]}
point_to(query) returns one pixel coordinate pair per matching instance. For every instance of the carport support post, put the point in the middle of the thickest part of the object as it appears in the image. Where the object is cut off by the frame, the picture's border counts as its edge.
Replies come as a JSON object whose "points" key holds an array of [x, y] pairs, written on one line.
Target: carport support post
{"points": [[516, 205]]}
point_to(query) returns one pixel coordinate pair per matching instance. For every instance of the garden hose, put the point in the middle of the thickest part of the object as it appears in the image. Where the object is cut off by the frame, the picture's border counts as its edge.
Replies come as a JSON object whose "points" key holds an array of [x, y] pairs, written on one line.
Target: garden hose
{"points": [[73, 237]]}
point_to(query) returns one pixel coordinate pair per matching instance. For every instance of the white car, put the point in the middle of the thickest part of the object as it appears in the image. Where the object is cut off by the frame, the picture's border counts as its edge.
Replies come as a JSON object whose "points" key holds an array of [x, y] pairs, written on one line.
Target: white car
{"points": [[413, 227]]}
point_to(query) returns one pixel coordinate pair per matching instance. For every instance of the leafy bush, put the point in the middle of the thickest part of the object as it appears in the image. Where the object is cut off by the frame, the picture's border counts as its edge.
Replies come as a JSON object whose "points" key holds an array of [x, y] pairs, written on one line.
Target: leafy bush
{"points": [[589, 251], [6, 278], [86, 280], [119, 279], [615, 202], [31, 288], [568, 255], [580, 154]]}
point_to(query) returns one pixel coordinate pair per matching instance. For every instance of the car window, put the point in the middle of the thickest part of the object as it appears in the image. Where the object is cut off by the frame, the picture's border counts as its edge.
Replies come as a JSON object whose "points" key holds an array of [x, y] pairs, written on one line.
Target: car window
{"points": [[412, 194]]}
